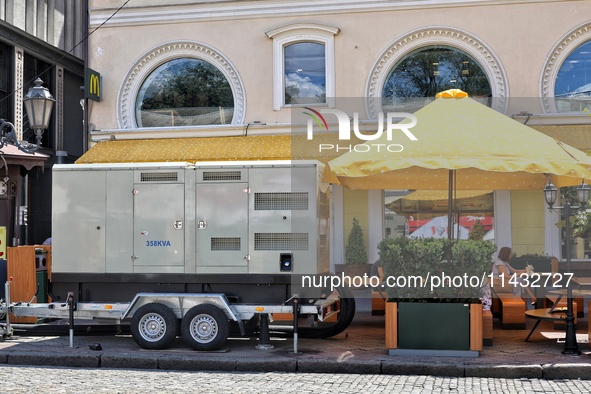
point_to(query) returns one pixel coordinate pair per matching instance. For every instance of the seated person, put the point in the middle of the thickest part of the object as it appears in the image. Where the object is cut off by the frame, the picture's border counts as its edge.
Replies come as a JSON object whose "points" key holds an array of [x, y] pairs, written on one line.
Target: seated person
{"points": [[502, 267]]}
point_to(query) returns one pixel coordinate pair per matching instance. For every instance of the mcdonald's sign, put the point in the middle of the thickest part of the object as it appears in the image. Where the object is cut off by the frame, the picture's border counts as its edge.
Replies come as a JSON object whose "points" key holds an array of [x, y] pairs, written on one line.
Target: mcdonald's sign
{"points": [[92, 85]]}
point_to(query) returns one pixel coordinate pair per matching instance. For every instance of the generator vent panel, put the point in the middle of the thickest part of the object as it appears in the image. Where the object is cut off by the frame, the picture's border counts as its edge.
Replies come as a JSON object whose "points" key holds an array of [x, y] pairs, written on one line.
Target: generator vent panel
{"points": [[280, 241], [159, 177], [216, 176], [225, 243], [323, 209], [295, 201]]}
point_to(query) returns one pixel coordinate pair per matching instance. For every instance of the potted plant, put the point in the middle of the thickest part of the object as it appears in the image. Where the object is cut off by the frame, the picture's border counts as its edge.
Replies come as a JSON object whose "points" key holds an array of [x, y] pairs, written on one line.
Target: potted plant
{"points": [[356, 260], [434, 305]]}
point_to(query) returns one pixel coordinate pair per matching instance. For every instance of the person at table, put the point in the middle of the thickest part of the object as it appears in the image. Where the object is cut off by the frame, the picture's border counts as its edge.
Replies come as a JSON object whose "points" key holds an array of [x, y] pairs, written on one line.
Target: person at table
{"points": [[502, 267]]}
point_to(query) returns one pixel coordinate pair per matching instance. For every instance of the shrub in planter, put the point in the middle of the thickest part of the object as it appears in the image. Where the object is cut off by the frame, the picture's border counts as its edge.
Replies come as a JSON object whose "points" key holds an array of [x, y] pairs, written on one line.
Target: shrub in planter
{"points": [[435, 270], [355, 252], [356, 260]]}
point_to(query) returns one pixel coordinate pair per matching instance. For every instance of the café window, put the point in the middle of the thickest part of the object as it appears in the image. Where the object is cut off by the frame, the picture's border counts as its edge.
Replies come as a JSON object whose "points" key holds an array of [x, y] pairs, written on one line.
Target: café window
{"points": [[424, 214]]}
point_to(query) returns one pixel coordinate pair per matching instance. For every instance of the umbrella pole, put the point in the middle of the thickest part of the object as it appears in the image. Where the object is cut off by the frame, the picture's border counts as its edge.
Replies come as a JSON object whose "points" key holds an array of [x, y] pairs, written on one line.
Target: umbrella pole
{"points": [[450, 228]]}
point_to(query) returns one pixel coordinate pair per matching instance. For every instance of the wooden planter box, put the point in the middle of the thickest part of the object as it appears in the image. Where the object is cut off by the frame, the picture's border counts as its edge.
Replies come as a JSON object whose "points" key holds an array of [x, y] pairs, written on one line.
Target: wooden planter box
{"points": [[25, 270], [434, 329]]}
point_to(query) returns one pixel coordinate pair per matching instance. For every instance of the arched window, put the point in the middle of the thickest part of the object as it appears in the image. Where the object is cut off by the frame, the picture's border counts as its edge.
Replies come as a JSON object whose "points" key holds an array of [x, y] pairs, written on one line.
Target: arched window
{"points": [[184, 92], [181, 84], [427, 71], [573, 83], [566, 79], [426, 61]]}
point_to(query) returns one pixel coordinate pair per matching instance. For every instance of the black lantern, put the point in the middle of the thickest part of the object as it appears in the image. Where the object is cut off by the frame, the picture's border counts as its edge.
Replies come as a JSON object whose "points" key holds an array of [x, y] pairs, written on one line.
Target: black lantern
{"points": [[550, 194], [583, 193], [38, 103]]}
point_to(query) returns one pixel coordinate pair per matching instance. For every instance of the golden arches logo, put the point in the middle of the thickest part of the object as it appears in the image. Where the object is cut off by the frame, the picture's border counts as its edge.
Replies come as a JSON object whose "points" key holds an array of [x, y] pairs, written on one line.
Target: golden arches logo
{"points": [[94, 85]]}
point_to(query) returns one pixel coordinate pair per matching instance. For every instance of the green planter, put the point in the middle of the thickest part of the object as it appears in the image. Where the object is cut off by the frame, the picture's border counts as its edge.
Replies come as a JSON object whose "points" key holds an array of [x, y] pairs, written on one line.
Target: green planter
{"points": [[435, 329]]}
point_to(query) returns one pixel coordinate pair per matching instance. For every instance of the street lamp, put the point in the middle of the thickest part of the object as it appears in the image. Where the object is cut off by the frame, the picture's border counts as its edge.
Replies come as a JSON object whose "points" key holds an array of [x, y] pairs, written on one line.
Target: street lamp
{"points": [[551, 194], [38, 103]]}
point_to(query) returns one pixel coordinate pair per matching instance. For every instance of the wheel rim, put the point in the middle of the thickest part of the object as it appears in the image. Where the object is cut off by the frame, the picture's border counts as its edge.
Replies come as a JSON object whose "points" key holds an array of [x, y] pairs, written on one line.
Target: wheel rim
{"points": [[152, 327], [204, 328]]}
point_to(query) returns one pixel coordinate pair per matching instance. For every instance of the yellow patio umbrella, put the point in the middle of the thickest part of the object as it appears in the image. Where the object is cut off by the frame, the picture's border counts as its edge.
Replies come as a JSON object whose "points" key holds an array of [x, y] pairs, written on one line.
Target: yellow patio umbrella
{"points": [[464, 145], [487, 150]]}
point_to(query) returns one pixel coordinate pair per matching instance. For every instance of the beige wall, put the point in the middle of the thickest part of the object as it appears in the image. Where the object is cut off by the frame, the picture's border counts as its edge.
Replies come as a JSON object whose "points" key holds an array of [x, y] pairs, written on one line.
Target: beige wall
{"points": [[527, 221], [520, 35]]}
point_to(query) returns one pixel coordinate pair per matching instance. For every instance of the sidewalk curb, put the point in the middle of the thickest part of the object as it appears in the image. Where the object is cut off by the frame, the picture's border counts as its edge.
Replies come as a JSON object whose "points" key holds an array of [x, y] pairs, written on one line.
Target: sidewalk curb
{"points": [[188, 362]]}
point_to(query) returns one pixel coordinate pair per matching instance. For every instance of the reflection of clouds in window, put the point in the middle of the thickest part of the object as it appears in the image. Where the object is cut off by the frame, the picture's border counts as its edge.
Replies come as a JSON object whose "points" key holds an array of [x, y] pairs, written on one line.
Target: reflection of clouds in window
{"points": [[305, 73], [573, 82], [574, 76], [184, 92]]}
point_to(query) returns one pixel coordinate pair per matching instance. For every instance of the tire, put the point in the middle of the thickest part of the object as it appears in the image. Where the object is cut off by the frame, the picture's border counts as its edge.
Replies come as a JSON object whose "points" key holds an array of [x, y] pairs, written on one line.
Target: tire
{"points": [[154, 326], [205, 327], [344, 319]]}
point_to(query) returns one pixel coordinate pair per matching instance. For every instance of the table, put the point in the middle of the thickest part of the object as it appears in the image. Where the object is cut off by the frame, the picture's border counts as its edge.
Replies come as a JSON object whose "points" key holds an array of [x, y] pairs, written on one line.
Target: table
{"points": [[554, 313], [548, 314]]}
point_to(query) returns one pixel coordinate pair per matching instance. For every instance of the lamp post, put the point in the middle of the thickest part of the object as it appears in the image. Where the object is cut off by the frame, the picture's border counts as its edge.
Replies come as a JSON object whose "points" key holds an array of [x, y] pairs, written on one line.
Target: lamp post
{"points": [[551, 194], [38, 103]]}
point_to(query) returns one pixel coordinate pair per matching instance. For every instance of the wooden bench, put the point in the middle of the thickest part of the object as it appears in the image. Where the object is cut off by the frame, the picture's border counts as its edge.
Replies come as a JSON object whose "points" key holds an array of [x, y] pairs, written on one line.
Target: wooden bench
{"points": [[509, 308]]}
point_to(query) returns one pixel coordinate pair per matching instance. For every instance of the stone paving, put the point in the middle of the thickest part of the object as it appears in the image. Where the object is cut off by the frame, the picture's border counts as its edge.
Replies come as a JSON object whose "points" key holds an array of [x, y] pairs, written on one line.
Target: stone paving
{"points": [[358, 350], [26, 379]]}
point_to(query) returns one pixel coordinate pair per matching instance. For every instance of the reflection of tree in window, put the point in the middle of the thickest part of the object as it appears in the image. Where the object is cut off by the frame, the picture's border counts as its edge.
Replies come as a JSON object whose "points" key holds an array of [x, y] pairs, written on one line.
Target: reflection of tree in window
{"points": [[305, 73], [185, 92], [426, 72]]}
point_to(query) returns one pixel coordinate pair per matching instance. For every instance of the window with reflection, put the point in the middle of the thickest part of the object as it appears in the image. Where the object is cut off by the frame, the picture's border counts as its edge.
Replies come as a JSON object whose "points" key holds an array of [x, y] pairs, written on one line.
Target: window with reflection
{"points": [[424, 214], [184, 92], [305, 73], [420, 75], [573, 83]]}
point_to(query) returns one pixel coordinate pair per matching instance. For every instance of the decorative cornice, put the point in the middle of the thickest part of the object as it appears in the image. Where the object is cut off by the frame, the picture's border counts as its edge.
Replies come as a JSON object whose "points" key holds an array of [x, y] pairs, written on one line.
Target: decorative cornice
{"points": [[166, 52], [436, 35], [193, 11], [558, 55]]}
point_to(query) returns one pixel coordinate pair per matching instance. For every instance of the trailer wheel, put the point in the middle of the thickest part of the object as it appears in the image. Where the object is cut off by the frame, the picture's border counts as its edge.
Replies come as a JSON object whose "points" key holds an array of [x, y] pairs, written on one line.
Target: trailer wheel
{"points": [[154, 326], [344, 319], [205, 327]]}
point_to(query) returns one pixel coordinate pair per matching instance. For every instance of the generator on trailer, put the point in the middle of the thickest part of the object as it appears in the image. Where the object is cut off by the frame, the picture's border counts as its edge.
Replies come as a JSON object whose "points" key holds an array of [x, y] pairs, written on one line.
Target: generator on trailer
{"points": [[191, 246]]}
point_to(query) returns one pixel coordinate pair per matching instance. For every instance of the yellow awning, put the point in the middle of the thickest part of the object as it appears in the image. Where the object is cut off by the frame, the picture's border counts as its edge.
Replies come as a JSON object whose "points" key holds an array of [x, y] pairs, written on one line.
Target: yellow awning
{"points": [[259, 147]]}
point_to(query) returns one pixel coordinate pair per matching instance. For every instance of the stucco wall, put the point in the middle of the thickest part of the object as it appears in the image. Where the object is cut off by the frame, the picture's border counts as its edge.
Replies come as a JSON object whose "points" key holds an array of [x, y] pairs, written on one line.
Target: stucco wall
{"points": [[527, 221]]}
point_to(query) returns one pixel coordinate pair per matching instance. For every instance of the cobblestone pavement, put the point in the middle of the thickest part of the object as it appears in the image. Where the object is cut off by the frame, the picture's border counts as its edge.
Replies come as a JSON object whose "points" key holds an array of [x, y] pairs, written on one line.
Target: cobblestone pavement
{"points": [[23, 379]]}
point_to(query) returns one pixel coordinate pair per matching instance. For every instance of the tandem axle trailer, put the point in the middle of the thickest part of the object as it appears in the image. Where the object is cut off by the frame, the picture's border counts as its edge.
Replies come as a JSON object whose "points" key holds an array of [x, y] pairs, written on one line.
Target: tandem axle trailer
{"points": [[155, 318]]}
